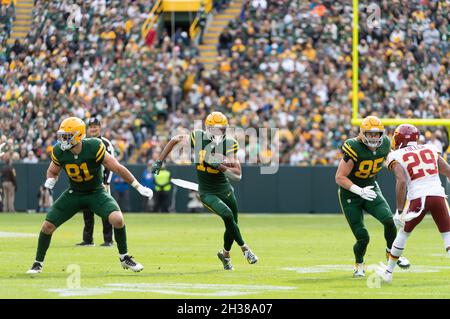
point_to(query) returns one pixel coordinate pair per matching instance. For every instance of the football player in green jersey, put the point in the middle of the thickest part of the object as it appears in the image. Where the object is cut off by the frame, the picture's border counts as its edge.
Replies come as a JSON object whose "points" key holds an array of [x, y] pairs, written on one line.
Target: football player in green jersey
{"points": [[358, 190], [83, 160], [215, 166]]}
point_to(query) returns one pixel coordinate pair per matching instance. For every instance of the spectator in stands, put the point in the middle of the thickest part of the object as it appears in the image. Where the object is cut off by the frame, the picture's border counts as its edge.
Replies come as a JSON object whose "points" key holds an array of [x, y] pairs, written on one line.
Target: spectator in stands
{"points": [[9, 184], [148, 180], [225, 42], [121, 193], [45, 199], [31, 158], [291, 68]]}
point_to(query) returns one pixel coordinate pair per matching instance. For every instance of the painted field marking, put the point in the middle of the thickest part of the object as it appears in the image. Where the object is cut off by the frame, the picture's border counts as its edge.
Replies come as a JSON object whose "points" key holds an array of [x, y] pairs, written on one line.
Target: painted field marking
{"points": [[15, 235], [347, 268], [186, 289]]}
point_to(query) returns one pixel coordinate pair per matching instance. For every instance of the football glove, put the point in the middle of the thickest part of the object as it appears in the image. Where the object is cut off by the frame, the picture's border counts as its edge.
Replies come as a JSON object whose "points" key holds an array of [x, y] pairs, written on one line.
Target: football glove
{"points": [[50, 183], [144, 191], [366, 193], [156, 167], [397, 219], [214, 161]]}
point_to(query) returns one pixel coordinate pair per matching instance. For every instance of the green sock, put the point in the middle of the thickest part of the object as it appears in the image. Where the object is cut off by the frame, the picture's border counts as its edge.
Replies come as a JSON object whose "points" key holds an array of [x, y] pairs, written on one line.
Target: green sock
{"points": [[227, 240], [390, 232], [43, 244], [121, 238]]}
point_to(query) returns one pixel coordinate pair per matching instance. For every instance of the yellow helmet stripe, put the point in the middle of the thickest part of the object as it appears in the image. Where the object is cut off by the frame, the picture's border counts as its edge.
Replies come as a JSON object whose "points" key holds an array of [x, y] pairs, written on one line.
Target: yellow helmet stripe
{"points": [[100, 149]]}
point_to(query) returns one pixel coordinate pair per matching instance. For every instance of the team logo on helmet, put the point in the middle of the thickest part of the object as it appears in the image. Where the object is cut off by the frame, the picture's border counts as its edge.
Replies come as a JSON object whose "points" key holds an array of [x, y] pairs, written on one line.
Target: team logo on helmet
{"points": [[404, 135]]}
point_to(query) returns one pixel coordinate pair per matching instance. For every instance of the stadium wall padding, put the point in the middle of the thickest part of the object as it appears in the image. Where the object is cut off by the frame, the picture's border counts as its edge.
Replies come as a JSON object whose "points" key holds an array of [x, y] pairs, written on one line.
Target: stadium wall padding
{"points": [[291, 190]]}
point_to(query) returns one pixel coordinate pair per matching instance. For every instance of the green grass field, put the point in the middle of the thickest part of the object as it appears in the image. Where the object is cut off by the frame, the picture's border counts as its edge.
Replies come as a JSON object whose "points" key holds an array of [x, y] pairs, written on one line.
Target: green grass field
{"points": [[301, 256]]}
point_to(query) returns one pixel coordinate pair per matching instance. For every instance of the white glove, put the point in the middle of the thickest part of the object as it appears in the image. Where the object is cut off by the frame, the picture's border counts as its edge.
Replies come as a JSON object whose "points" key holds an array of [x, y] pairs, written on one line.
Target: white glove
{"points": [[144, 191], [366, 193], [50, 183], [397, 219]]}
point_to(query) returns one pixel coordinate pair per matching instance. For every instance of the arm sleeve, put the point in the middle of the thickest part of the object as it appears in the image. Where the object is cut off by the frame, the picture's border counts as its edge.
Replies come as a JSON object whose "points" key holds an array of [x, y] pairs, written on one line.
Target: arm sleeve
{"points": [[390, 161], [349, 153], [232, 147], [100, 150], [107, 174], [192, 135], [54, 157]]}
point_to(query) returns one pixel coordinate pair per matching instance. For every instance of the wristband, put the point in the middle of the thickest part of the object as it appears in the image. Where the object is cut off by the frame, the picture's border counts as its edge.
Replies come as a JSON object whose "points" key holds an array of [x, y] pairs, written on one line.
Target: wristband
{"points": [[356, 189], [135, 184]]}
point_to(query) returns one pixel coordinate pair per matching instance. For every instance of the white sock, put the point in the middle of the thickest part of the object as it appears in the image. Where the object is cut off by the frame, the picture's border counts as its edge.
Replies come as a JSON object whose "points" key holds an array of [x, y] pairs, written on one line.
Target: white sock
{"points": [[123, 255], [245, 247], [397, 249], [360, 267], [40, 262], [446, 238]]}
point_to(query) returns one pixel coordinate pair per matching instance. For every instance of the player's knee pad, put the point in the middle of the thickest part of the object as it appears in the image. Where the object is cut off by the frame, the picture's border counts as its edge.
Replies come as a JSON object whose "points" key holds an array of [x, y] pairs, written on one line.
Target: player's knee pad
{"points": [[227, 216], [389, 223], [362, 236]]}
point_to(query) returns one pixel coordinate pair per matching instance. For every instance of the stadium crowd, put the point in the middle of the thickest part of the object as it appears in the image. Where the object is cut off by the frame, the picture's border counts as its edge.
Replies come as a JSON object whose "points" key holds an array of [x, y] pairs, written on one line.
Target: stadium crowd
{"points": [[7, 17], [284, 66]]}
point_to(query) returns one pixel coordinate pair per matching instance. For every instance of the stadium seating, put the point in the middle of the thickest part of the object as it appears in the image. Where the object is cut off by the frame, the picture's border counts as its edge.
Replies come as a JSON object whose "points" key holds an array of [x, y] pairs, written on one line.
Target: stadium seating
{"points": [[277, 65]]}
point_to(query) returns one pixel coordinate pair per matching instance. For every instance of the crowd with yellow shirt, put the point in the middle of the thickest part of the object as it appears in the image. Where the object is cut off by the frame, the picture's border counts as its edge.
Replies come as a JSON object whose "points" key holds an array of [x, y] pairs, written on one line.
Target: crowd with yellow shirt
{"points": [[290, 65], [7, 17], [97, 65], [287, 64]]}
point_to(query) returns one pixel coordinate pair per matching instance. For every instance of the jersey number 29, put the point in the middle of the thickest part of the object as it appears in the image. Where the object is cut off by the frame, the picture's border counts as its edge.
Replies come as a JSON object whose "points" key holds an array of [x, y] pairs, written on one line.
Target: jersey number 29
{"points": [[420, 164]]}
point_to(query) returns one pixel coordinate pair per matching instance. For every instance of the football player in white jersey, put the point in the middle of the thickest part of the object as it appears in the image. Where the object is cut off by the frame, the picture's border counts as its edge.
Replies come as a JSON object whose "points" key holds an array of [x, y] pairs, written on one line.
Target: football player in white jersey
{"points": [[418, 189]]}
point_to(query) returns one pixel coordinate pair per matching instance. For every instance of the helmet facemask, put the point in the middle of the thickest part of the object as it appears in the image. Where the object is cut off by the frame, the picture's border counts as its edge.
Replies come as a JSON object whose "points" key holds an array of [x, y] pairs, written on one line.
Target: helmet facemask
{"points": [[66, 139], [216, 133], [374, 142]]}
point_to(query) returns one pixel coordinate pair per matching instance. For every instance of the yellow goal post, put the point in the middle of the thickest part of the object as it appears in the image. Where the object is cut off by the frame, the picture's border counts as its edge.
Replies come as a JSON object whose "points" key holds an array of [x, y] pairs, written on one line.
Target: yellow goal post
{"points": [[356, 120]]}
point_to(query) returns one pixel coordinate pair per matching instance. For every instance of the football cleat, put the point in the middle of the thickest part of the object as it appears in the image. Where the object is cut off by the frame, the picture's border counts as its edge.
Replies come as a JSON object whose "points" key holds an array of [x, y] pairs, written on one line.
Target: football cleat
{"points": [[129, 263], [107, 244], [86, 244], [403, 263], [226, 261], [358, 271], [36, 268], [250, 256], [386, 276]]}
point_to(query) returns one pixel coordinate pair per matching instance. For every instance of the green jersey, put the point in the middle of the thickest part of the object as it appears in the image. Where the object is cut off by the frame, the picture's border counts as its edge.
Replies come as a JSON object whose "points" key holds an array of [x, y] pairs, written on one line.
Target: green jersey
{"points": [[367, 163], [85, 170], [211, 180]]}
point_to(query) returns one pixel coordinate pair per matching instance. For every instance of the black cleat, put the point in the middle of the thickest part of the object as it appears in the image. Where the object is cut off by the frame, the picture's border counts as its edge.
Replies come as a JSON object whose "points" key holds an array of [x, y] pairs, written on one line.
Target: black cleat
{"points": [[129, 263], [35, 269], [107, 244], [86, 244]]}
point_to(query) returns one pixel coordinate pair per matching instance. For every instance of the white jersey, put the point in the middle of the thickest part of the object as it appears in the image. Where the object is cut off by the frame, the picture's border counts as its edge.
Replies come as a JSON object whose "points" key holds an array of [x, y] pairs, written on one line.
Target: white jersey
{"points": [[420, 163]]}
